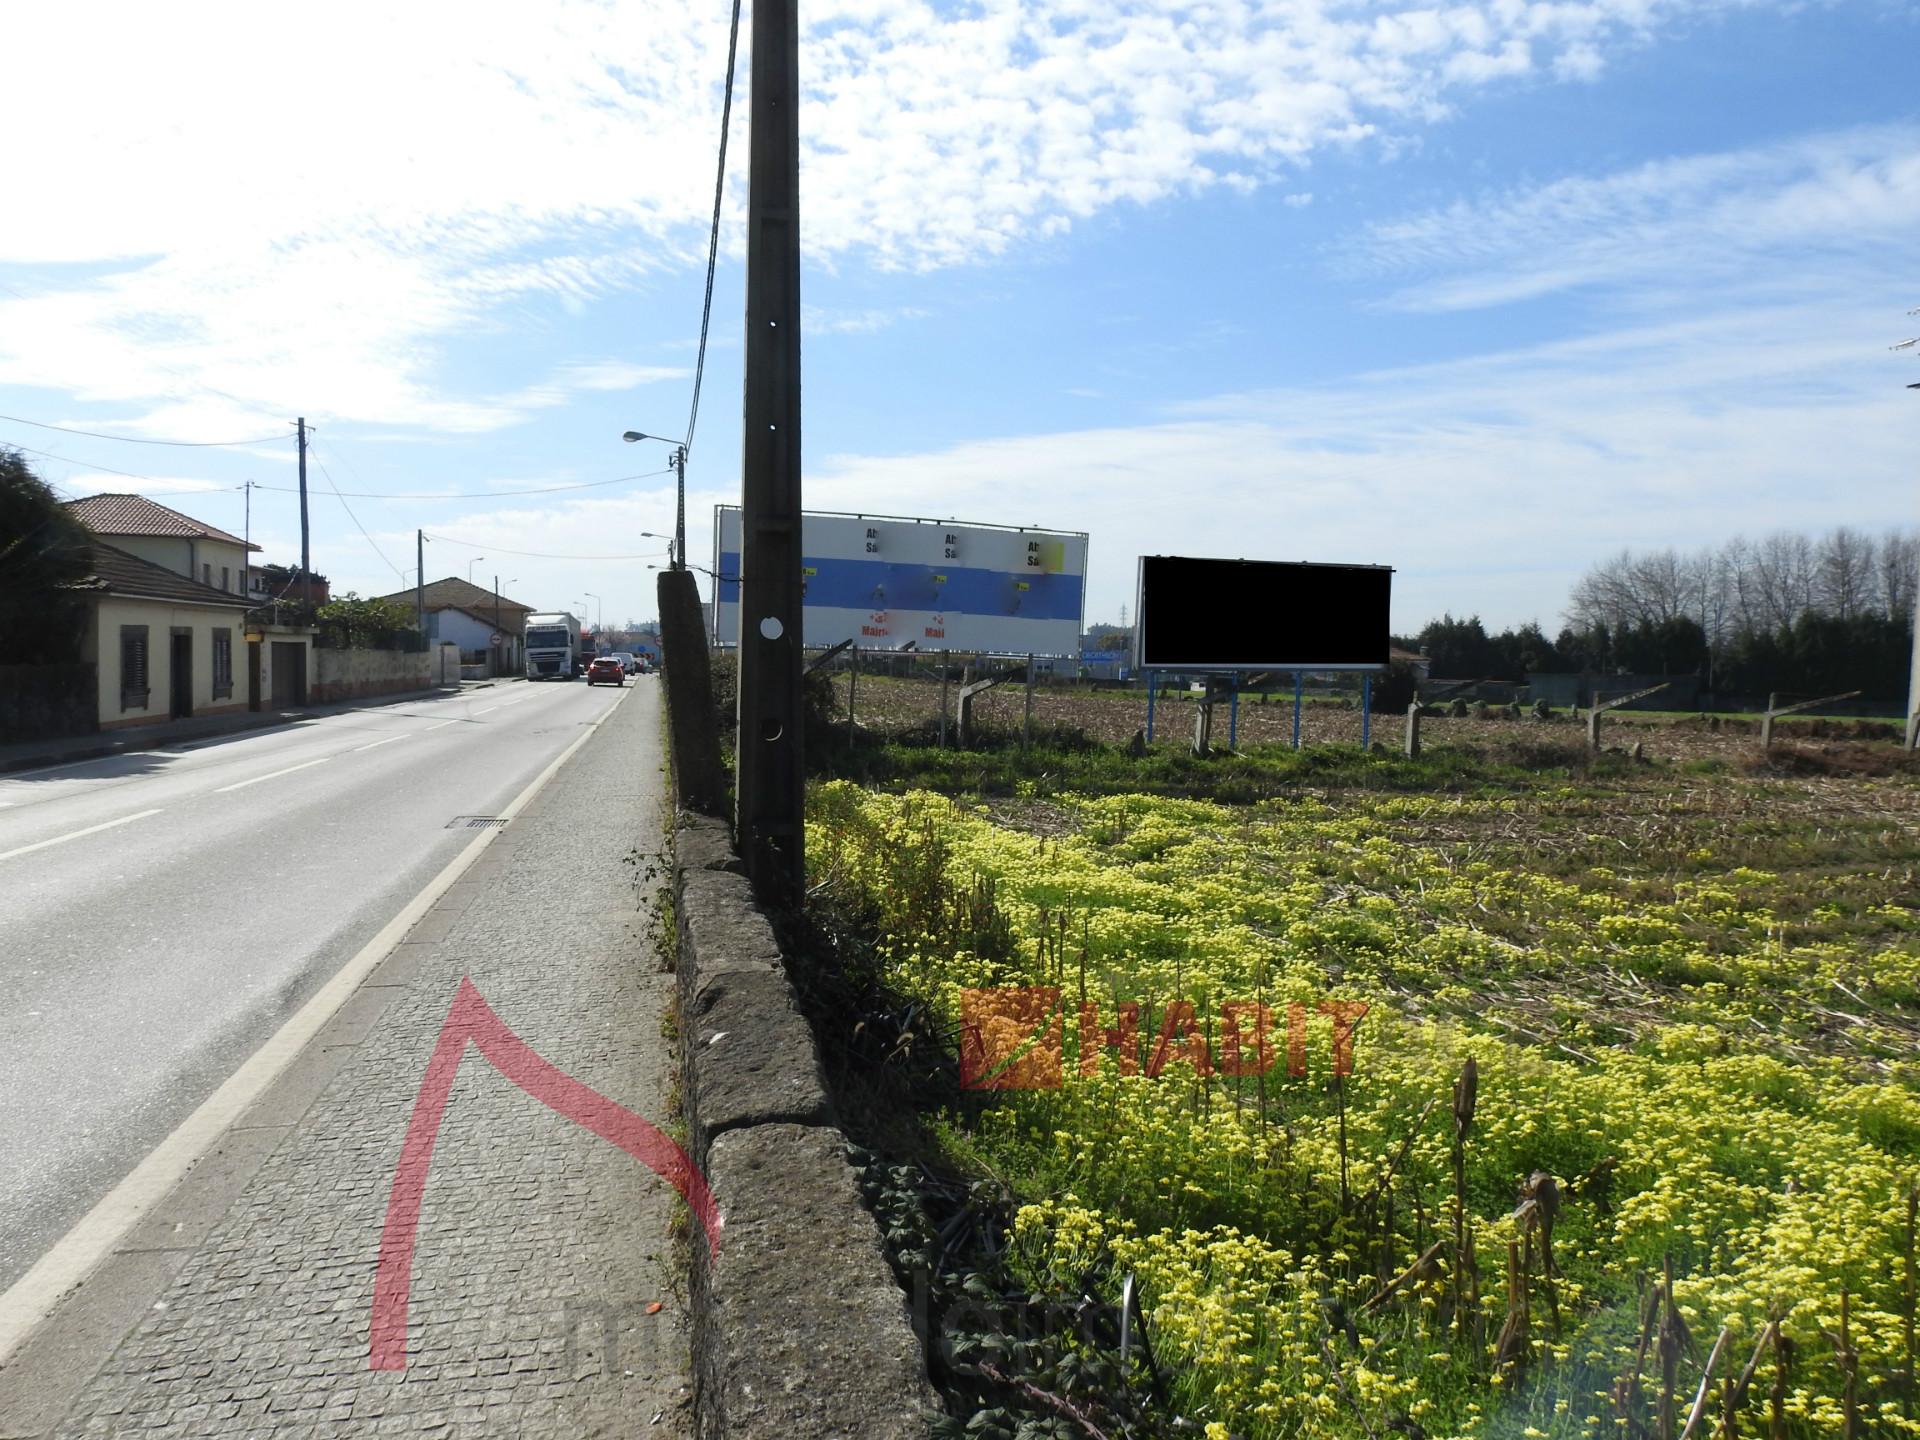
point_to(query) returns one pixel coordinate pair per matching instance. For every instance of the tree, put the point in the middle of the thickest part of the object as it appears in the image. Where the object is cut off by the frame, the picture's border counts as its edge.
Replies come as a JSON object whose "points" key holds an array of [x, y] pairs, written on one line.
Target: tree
{"points": [[44, 553], [369, 624], [1459, 649]]}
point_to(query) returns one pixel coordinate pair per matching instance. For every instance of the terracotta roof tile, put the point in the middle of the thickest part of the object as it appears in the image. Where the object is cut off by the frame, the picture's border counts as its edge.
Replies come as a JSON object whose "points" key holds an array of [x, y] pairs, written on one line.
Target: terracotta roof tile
{"points": [[115, 572], [137, 515], [453, 593]]}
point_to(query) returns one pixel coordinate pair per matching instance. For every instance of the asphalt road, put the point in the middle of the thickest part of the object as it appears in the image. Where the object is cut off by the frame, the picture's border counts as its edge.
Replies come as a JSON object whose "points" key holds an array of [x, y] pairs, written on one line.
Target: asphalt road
{"points": [[162, 912]]}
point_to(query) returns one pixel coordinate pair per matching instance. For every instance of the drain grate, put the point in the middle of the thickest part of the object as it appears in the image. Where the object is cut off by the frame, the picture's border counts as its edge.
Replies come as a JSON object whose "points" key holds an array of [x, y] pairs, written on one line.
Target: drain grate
{"points": [[474, 822]]}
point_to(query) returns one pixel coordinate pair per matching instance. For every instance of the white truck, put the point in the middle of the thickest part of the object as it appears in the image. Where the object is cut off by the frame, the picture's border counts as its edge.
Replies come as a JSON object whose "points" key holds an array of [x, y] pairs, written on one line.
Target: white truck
{"points": [[553, 647]]}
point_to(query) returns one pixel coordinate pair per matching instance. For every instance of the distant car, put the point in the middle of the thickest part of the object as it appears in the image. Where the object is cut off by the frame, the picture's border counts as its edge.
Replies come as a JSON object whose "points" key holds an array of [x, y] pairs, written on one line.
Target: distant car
{"points": [[606, 667], [628, 663]]}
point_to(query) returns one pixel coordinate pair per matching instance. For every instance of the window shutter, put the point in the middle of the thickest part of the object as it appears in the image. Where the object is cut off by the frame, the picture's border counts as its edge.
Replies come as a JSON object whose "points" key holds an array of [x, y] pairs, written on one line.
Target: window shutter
{"points": [[133, 667]]}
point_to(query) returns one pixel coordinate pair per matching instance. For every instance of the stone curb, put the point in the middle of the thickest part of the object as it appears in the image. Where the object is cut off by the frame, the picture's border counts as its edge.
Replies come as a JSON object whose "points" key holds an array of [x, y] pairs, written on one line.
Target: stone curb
{"points": [[799, 1327]]}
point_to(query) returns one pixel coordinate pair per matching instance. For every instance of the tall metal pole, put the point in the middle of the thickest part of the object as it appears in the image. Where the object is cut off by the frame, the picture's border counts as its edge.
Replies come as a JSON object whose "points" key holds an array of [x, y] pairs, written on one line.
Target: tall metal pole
{"points": [[306, 557], [770, 780], [494, 653], [420, 583]]}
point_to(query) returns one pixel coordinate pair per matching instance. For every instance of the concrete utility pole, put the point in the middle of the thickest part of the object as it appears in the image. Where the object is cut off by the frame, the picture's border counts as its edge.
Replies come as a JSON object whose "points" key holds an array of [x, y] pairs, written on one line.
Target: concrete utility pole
{"points": [[306, 557], [769, 780], [1913, 679], [420, 583]]}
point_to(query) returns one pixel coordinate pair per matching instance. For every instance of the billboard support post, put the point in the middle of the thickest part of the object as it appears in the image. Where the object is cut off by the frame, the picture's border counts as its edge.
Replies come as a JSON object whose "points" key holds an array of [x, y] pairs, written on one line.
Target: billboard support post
{"points": [[1366, 710], [943, 699], [853, 681], [1298, 694], [1233, 715], [1153, 686]]}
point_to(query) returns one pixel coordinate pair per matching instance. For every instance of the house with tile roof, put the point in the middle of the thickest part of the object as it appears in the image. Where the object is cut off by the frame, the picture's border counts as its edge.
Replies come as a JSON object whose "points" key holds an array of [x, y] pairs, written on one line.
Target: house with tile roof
{"points": [[163, 536], [168, 632], [470, 616], [164, 646]]}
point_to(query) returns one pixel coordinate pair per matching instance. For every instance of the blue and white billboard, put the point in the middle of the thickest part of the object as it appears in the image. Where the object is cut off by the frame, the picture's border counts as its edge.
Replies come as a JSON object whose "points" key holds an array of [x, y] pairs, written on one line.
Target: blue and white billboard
{"points": [[888, 582]]}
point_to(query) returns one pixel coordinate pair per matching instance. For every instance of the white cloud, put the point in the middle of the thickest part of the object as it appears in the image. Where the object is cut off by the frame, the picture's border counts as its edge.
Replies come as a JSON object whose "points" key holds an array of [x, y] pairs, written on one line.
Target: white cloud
{"points": [[1689, 221], [1489, 483], [235, 201]]}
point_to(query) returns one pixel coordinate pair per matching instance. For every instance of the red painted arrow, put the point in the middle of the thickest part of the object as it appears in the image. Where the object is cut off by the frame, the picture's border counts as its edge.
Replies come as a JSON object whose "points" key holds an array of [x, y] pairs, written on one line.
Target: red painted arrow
{"points": [[471, 1018]]}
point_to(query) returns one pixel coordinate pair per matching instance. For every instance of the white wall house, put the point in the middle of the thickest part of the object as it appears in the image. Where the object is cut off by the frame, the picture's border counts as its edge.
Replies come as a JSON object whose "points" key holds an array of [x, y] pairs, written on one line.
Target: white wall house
{"points": [[163, 647], [163, 536]]}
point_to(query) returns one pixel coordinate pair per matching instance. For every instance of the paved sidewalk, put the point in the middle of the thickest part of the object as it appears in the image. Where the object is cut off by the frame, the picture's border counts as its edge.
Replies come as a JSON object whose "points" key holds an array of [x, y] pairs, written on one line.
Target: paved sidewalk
{"points": [[26, 754], [548, 1294]]}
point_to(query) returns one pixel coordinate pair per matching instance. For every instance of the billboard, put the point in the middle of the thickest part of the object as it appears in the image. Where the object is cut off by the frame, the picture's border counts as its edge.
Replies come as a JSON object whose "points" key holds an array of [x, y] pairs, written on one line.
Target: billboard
{"points": [[889, 582], [1260, 615]]}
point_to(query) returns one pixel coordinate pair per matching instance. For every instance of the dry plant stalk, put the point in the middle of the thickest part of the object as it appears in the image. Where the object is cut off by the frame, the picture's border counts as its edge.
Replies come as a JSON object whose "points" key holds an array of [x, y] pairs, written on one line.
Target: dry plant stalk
{"points": [[1513, 1344], [1782, 1352], [1466, 1092], [1626, 1390], [1699, 1410]]}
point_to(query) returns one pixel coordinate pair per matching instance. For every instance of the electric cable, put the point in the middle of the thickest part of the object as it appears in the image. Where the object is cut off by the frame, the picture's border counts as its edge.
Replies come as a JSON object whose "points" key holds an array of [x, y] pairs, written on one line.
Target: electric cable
{"points": [[479, 494], [137, 440], [713, 240], [544, 555], [400, 574]]}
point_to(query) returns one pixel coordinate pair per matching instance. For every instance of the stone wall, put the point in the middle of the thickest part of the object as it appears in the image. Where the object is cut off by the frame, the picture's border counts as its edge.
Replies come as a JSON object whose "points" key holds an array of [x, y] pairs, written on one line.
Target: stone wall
{"points": [[799, 1327], [355, 674]]}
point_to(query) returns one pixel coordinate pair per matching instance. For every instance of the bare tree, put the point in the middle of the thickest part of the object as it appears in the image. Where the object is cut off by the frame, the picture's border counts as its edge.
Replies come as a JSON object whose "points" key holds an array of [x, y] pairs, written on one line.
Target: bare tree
{"points": [[1899, 574], [1749, 587], [1844, 573]]}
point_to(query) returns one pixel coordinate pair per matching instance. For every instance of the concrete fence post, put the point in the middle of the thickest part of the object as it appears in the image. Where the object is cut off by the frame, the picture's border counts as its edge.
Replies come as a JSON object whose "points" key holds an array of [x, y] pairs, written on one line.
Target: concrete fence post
{"points": [[943, 699], [853, 681], [1026, 726], [1766, 722], [1413, 729], [1593, 728]]}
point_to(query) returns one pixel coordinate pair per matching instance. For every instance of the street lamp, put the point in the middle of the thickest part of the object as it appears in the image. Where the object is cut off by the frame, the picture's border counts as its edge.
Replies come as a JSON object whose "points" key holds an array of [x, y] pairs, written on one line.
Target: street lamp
{"points": [[470, 564], [599, 610], [498, 638], [679, 462], [673, 548]]}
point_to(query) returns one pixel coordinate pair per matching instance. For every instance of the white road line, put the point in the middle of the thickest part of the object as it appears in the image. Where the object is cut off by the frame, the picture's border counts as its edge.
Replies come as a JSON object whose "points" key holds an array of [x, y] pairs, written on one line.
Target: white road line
{"points": [[76, 834], [444, 723], [78, 1253], [241, 785], [378, 743]]}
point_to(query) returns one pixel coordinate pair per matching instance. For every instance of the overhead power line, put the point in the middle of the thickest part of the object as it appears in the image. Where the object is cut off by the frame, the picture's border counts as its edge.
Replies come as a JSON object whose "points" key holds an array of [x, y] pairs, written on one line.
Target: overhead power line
{"points": [[141, 440], [480, 494], [540, 554], [713, 240], [131, 475], [398, 572]]}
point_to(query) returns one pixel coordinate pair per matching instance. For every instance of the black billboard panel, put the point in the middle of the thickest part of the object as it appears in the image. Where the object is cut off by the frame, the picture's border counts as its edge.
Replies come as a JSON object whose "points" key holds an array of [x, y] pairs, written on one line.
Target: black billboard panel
{"points": [[1260, 615]]}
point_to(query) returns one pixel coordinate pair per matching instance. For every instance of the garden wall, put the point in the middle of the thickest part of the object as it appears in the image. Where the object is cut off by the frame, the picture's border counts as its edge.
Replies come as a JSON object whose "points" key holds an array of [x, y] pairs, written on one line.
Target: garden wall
{"points": [[798, 1325]]}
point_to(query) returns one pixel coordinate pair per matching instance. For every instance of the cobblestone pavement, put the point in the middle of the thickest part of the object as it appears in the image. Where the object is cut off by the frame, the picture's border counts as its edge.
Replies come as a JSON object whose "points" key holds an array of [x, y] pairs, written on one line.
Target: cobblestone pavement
{"points": [[541, 1249]]}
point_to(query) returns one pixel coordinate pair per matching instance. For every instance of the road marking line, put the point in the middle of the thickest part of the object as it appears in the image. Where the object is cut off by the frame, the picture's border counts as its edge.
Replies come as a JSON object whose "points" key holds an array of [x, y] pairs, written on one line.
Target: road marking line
{"points": [[242, 784], [76, 834], [444, 723], [378, 743], [78, 1253]]}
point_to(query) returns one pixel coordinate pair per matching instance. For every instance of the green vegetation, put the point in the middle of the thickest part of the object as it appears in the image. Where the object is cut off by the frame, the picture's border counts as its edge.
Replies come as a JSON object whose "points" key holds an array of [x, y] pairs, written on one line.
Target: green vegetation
{"points": [[1687, 998]]}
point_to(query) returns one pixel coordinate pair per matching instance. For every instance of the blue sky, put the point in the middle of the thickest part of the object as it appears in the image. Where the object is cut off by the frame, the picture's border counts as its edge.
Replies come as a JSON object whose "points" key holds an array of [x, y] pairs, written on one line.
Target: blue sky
{"points": [[1484, 292]]}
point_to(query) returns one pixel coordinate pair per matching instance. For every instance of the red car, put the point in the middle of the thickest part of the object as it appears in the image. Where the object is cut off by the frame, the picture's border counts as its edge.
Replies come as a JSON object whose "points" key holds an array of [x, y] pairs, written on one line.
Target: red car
{"points": [[605, 667]]}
